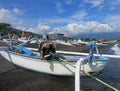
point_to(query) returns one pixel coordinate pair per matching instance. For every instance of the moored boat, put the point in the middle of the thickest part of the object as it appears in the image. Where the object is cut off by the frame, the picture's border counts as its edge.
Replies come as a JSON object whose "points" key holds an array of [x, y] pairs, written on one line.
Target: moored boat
{"points": [[58, 65]]}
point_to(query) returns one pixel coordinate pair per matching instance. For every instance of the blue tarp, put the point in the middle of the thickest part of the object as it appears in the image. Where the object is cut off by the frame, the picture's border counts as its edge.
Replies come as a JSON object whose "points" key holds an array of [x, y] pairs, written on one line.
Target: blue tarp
{"points": [[103, 58], [90, 43], [25, 50]]}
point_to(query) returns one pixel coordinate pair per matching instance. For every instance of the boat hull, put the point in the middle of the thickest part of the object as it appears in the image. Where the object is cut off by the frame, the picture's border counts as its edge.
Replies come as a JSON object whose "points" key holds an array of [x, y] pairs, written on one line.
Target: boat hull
{"points": [[52, 67]]}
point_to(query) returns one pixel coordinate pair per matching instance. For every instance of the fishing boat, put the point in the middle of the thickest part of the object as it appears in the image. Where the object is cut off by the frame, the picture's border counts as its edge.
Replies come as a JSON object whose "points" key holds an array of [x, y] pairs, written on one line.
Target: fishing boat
{"points": [[60, 65]]}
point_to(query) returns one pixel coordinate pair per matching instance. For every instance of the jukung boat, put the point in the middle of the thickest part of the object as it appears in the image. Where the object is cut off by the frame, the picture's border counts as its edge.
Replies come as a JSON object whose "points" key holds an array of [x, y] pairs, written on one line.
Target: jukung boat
{"points": [[61, 65]]}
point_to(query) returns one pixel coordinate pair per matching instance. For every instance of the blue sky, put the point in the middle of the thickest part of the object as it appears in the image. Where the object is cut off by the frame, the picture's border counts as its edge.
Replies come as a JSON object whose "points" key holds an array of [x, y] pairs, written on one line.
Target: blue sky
{"points": [[71, 17]]}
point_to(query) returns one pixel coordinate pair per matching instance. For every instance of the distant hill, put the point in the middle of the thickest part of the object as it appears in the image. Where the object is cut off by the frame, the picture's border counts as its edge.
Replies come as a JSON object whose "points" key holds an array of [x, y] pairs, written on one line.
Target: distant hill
{"points": [[7, 28]]}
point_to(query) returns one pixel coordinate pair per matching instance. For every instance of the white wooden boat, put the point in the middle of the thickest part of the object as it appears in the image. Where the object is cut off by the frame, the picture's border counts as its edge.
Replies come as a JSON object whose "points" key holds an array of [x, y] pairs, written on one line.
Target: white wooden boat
{"points": [[54, 66]]}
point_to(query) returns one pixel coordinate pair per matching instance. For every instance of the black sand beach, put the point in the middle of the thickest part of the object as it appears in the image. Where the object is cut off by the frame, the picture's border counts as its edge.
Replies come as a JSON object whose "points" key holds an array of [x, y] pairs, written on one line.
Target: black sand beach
{"points": [[73, 48], [13, 78]]}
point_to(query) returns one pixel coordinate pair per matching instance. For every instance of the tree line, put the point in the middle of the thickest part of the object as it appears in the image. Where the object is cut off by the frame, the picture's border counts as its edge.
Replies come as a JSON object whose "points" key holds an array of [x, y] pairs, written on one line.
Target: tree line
{"points": [[6, 29]]}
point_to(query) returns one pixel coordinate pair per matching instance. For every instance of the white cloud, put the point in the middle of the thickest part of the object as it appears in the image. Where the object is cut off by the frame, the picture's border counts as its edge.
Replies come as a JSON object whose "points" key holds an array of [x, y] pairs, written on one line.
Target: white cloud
{"points": [[5, 15], [40, 29], [79, 15], [17, 11], [95, 3], [75, 24], [60, 8], [74, 29], [20, 25], [110, 4], [8, 16], [113, 20]]}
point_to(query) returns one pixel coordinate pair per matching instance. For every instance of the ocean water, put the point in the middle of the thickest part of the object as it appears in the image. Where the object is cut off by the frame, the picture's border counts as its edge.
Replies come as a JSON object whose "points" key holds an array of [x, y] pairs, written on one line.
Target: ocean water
{"points": [[116, 49], [110, 75]]}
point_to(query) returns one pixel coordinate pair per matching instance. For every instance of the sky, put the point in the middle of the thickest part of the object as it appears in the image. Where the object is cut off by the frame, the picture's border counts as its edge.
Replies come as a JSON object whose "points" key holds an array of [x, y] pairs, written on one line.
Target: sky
{"points": [[74, 18]]}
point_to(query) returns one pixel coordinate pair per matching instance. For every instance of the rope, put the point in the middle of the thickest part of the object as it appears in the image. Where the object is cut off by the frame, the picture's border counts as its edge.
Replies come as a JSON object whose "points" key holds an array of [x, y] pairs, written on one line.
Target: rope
{"points": [[86, 73], [106, 84]]}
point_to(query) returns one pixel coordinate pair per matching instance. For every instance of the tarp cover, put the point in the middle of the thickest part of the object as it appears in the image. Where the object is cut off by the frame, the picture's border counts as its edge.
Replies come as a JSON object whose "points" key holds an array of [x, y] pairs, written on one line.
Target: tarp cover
{"points": [[90, 43], [25, 50]]}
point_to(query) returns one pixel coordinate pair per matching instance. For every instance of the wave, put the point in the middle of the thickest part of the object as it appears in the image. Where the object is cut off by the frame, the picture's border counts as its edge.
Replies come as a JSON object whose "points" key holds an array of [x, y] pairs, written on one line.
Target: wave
{"points": [[116, 49]]}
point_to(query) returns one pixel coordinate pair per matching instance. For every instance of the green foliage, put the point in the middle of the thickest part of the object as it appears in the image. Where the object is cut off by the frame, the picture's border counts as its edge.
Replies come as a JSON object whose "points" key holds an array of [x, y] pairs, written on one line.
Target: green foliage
{"points": [[7, 28]]}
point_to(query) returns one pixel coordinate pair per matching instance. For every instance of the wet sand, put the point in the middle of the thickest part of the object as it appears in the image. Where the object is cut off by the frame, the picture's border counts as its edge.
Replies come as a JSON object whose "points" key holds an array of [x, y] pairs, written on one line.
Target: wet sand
{"points": [[13, 78], [73, 48]]}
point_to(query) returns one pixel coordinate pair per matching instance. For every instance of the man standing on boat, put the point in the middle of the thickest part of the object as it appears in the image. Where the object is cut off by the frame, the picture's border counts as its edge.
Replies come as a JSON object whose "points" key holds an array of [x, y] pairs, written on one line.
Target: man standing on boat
{"points": [[45, 48]]}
